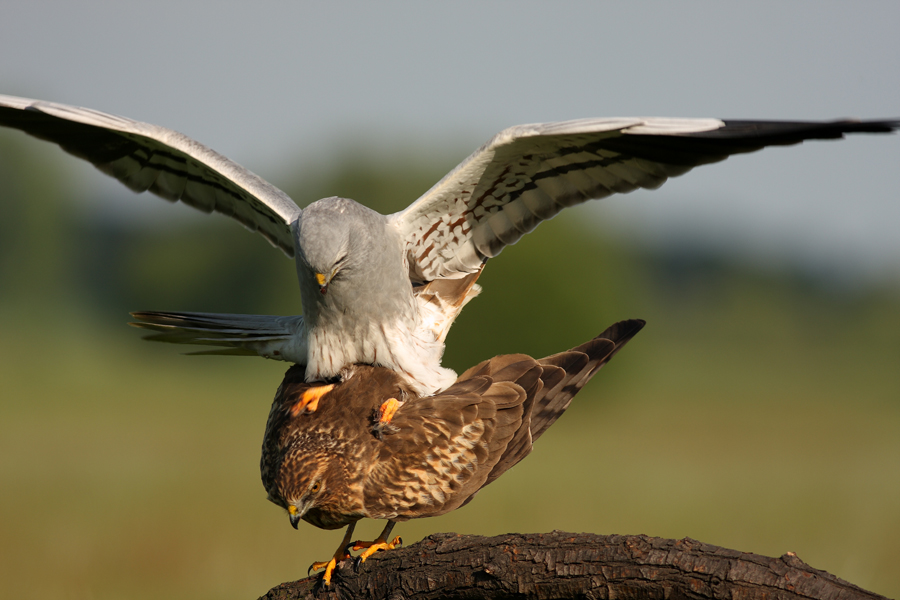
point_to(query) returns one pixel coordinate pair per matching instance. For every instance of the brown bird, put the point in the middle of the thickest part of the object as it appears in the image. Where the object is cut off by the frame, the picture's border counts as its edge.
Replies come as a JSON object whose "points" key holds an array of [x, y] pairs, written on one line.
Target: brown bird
{"points": [[369, 447]]}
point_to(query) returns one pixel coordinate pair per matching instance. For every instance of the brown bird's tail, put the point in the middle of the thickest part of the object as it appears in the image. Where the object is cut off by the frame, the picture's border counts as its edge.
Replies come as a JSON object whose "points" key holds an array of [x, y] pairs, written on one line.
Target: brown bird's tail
{"points": [[550, 390], [578, 366]]}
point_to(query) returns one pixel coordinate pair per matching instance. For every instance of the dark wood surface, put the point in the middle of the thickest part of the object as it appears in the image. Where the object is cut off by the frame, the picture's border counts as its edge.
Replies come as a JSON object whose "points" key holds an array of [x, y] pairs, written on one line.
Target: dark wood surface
{"points": [[572, 565]]}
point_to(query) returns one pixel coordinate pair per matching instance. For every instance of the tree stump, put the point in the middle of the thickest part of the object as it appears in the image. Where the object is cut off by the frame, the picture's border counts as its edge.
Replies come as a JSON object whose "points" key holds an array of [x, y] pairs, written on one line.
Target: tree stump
{"points": [[573, 565]]}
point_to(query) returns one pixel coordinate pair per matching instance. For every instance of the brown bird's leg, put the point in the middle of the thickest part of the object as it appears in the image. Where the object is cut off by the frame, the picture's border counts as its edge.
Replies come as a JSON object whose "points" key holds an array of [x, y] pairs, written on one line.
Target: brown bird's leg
{"points": [[309, 401], [380, 543], [387, 409], [386, 412], [340, 554]]}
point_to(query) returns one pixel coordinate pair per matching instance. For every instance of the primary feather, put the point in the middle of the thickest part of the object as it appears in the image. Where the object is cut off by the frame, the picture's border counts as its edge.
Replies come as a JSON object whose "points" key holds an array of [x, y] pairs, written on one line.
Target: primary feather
{"points": [[380, 289]]}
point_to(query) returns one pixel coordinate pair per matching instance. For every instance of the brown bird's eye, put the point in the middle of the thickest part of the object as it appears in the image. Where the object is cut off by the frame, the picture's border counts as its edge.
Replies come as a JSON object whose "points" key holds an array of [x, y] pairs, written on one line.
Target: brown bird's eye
{"points": [[316, 487]]}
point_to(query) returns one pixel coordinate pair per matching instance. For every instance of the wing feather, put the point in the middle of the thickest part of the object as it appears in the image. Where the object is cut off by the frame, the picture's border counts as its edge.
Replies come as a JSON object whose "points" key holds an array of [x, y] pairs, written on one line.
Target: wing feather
{"points": [[528, 173], [164, 162]]}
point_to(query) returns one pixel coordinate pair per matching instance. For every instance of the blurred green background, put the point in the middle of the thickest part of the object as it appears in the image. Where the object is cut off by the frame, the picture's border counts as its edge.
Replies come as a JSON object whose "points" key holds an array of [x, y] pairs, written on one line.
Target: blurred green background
{"points": [[758, 410]]}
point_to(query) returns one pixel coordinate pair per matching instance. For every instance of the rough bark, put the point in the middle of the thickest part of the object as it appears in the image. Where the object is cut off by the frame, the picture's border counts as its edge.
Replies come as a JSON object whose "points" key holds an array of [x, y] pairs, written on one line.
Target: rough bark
{"points": [[573, 565]]}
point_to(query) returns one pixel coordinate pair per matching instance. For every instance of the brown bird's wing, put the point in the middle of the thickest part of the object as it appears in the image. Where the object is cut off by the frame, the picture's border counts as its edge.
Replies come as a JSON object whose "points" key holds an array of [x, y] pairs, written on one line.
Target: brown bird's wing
{"points": [[555, 399], [442, 449], [563, 375], [280, 426]]}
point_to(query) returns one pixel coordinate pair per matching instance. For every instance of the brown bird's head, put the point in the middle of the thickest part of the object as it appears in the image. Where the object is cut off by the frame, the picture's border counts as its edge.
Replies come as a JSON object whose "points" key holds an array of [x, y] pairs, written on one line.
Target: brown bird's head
{"points": [[315, 446], [309, 484], [299, 489], [310, 480]]}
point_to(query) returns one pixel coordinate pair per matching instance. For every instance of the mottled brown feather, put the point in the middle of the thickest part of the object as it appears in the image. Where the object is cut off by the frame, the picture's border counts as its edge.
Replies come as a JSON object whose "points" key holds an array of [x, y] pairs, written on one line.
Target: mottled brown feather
{"points": [[436, 452]]}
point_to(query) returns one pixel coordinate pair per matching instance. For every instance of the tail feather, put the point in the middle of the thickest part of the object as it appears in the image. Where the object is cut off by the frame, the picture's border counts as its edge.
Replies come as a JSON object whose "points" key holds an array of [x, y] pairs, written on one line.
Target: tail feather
{"points": [[223, 352], [598, 351], [280, 338], [563, 375]]}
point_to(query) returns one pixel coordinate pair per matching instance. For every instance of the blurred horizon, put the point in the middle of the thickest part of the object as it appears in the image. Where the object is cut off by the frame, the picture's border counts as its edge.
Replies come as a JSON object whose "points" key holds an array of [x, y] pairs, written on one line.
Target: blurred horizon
{"points": [[310, 85], [758, 410]]}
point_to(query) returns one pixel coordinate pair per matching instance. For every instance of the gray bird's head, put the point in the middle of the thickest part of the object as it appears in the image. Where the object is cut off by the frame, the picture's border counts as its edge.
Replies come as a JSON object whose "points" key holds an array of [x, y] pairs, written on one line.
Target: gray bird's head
{"points": [[333, 235]]}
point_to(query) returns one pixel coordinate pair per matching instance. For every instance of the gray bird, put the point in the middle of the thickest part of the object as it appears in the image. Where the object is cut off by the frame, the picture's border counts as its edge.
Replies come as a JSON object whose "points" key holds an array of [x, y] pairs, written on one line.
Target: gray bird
{"points": [[385, 289]]}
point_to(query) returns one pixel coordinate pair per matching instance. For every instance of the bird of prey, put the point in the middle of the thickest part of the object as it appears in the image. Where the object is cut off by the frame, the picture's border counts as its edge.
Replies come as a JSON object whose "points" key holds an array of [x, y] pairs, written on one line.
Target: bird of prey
{"points": [[373, 448], [384, 289]]}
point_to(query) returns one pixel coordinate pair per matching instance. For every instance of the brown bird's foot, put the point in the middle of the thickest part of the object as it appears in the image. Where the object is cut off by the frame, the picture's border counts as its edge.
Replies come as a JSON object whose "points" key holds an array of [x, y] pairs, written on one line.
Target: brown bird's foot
{"points": [[380, 543], [375, 546], [387, 410], [309, 402], [382, 418], [328, 566], [342, 553]]}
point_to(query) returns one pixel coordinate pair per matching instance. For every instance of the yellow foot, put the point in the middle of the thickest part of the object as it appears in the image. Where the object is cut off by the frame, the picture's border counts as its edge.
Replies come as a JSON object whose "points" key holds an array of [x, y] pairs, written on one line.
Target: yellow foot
{"points": [[309, 402], [328, 566], [329, 569], [373, 547], [387, 410]]}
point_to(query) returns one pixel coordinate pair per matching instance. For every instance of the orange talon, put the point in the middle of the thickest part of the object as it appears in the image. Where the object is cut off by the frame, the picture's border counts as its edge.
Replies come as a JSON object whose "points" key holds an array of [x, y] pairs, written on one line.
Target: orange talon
{"points": [[387, 410], [375, 546], [329, 569], [309, 402], [340, 554], [328, 566]]}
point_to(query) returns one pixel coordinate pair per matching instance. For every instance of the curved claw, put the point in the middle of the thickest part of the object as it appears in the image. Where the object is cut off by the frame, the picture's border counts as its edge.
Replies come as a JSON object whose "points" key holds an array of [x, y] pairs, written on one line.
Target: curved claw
{"points": [[321, 565], [329, 569], [373, 547], [314, 567], [329, 566], [342, 553], [397, 541]]}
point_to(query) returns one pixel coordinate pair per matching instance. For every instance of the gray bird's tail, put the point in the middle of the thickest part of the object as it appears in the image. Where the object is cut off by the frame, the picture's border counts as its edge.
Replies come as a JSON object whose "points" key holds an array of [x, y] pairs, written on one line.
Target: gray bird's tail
{"points": [[279, 338]]}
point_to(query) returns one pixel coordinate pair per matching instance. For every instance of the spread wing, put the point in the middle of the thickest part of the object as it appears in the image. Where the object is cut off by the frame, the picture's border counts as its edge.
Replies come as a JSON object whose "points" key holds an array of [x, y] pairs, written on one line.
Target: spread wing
{"points": [[529, 173], [150, 158]]}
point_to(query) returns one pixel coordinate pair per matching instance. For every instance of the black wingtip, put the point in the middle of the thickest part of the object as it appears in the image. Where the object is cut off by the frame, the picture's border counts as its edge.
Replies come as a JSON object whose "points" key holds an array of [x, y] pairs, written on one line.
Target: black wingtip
{"points": [[774, 132], [621, 332]]}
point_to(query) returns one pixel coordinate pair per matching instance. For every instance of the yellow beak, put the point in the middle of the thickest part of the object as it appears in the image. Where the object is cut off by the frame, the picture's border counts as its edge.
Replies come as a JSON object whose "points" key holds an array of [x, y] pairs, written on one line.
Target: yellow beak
{"points": [[294, 515], [323, 283]]}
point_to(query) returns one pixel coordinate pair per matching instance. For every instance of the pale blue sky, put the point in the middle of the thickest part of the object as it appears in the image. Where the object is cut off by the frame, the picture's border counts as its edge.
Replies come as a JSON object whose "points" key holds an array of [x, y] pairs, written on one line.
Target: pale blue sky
{"points": [[280, 86]]}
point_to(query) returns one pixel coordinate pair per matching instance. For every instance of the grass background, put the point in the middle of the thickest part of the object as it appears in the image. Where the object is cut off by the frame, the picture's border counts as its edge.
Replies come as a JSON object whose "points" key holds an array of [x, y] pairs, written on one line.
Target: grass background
{"points": [[758, 410]]}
